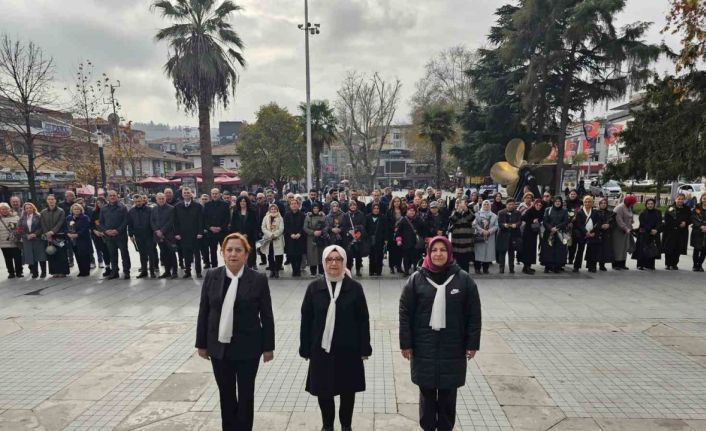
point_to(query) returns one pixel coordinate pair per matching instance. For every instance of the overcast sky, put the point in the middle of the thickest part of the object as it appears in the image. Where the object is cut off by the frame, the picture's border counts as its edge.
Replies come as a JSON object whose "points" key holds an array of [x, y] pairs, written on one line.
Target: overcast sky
{"points": [[393, 37]]}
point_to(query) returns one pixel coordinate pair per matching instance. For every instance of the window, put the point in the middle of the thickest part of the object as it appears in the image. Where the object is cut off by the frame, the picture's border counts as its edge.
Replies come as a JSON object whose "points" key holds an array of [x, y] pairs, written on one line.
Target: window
{"points": [[395, 167], [18, 148], [396, 136], [221, 161]]}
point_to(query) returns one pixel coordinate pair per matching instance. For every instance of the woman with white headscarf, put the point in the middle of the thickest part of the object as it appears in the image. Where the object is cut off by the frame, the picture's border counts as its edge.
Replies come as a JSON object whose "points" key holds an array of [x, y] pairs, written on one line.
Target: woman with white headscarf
{"points": [[335, 338], [440, 327]]}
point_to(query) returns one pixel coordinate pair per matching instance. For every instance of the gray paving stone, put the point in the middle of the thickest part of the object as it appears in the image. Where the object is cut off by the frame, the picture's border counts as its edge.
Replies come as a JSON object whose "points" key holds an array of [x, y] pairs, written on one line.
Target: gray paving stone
{"points": [[93, 385], [182, 387], [576, 424], [153, 411], [642, 424], [519, 391], [55, 415], [533, 418], [501, 364], [695, 346]]}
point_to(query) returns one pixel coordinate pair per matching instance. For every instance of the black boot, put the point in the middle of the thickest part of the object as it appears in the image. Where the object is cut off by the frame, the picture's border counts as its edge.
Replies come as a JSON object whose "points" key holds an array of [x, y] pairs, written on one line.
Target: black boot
{"points": [[502, 268], [142, 274], [512, 268], [153, 273]]}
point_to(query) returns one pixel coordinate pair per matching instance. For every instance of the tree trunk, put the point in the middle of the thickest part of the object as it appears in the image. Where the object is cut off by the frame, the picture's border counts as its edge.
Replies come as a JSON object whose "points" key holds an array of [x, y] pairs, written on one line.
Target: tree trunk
{"points": [[437, 150], [564, 122], [205, 143], [317, 166], [29, 143]]}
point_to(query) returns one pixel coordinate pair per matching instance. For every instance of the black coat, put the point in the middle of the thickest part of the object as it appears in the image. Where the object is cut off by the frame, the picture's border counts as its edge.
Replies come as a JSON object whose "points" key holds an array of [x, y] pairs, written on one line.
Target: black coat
{"points": [[294, 224], [649, 220], [248, 225], [508, 234], [408, 230], [81, 226], [606, 235], [188, 222], [377, 231], [528, 255], [698, 219], [556, 253], [439, 357], [676, 239], [341, 370], [138, 221], [253, 322], [216, 214]]}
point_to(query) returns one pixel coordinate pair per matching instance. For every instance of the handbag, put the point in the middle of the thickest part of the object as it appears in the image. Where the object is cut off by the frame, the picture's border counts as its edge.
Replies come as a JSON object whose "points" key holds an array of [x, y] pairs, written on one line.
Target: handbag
{"points": [[651, 250], [419, 240]]}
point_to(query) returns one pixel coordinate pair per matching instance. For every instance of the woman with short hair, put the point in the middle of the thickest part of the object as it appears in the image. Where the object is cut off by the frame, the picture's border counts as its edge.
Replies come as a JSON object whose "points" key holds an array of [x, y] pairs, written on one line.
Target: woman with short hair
{"points": [[486, 228], [33, 247], [272, 232], [676, 232], [335, 338], [440, 329], [79, 238], [235, 328], [9, 241]]}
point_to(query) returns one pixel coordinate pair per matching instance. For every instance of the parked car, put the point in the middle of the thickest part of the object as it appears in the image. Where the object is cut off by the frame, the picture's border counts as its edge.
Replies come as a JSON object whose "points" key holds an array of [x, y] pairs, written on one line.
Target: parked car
{"points": [[693, 190], [610, 189]]}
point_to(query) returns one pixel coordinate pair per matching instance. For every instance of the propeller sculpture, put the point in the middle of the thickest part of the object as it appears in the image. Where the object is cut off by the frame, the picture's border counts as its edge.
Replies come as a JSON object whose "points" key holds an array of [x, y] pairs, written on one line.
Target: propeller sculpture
{"points": [[515, 173]]}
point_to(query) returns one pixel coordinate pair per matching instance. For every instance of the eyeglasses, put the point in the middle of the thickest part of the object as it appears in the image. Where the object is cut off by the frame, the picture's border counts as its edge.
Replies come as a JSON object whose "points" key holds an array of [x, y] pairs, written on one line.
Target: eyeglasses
{"points": [[334, 259]]}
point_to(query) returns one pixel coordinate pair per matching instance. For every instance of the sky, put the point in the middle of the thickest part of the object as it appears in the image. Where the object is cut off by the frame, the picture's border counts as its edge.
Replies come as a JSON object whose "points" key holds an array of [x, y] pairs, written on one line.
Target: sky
{"points": [[393, 37]]}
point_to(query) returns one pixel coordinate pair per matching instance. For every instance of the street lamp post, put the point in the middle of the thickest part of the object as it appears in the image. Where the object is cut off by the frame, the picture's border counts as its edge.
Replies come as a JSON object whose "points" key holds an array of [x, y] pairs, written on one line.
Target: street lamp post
{"points": [[101, 143], [308, 29]]}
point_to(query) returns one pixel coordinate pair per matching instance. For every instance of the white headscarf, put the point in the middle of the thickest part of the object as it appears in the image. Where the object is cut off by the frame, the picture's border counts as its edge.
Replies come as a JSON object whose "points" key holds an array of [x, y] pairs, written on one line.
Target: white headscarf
{"points": [[331, 312], [225, 326]]}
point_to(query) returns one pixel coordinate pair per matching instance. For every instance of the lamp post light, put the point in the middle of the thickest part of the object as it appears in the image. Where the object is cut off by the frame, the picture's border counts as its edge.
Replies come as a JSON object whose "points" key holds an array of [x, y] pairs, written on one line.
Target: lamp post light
{"points": [[313, 29], [101, 143]]}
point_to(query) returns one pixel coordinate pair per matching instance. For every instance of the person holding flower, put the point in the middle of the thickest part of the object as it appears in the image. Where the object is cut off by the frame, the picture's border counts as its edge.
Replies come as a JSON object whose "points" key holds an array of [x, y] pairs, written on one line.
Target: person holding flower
{"points": [[79, 234], [9, 241]]}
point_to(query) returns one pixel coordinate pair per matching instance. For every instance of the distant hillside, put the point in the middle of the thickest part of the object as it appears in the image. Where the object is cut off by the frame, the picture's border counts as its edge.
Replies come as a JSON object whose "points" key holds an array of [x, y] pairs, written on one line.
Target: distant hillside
{"points": [[159, 131]]}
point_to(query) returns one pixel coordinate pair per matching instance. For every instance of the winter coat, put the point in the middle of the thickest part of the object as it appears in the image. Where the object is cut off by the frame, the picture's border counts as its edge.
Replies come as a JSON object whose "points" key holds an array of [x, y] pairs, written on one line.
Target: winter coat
{"points": [[439, 357], [434, 224], [508, 235], [528, 255], [53, 220], [341, 370], [273, 232], [314, 248], [376, 231], [248, 225], [676, 238], [485, 250], [162, 219], [81, 226], [138, 221], [341, 221], [8, 231], [593, 244], [649, 220], [32, 249], [462, 232], [554, 251], [408, 230], [606, 235], [621, 240], [216, 214], [698, 220], [294, 224], [188, 222]]}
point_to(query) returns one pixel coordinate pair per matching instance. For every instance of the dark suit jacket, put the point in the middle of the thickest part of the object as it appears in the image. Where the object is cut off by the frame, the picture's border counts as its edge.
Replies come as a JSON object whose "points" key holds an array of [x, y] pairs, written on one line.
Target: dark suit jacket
{"points": [[253, 322]]}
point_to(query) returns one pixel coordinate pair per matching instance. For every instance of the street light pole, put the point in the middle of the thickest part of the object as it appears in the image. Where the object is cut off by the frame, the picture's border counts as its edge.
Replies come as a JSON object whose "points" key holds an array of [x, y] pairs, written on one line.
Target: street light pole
{"points": [[313, 29], [101, 142]]}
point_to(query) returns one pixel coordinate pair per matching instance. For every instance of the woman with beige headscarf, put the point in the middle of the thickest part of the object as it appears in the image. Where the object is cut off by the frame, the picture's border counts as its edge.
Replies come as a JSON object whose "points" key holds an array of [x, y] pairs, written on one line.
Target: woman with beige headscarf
{"points": [[335, 338]]}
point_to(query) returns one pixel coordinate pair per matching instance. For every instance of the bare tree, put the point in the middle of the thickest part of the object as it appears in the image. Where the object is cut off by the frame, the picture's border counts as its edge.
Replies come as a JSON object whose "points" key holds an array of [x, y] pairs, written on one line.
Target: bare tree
{"points": [[365, 109], [87, 103], [26, 76], [445, 81]]}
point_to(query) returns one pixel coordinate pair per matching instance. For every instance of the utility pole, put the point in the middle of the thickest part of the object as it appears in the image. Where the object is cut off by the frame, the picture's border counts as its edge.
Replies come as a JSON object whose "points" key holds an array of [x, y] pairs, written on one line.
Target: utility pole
{"points": [[114, 121], [313, 29]]}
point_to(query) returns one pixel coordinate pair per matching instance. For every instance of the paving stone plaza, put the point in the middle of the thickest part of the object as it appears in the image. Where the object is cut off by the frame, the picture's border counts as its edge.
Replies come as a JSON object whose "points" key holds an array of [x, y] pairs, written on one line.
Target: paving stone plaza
{"points": [[614, 351]]}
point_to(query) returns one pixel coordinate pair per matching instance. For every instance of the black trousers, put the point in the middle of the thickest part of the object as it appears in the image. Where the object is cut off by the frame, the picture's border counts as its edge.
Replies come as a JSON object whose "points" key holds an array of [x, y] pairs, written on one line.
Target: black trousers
{"points": [[101, 249], [115, 244], [313, 269], [354, 258], [205, 253], [671, 259], [572, 250], [13, 260], [394, 255], [58, 262], [510, 252], [345, 411], [410, 258], [214, 240], [237, 408], [437, 409], [698, 257], [296, 262], [463, 260], [477, 265], [377, 254], [168, 258], [34, 267], [148, 251], [83, 260], [191, 255], [275, 262], [579, 255]]}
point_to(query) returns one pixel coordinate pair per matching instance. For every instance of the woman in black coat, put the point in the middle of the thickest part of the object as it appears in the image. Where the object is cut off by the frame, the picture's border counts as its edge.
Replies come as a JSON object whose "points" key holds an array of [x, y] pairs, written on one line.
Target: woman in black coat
{"points": [[698, 234], [294, 237], [395, 213], [335, 338], [647, 247], [585, 233], [440, 328], [410, 230], [357, 237], [376, 229], [676, 232], [79, 238], [243, 220], [533, 220], [235, 328], [554, 239], [604, 247]]}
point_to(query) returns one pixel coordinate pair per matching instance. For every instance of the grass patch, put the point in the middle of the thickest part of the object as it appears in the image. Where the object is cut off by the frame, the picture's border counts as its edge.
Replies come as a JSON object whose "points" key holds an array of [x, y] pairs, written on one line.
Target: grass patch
{"points": [[640, 207]]}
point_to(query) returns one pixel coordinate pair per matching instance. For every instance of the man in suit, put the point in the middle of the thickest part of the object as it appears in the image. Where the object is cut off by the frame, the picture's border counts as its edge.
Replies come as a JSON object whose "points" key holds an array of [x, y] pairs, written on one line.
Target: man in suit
{"points": [[162, 222], [216, 216], [139, 230], [113, 224], [311, 201], [188, 230], [234, 341]]}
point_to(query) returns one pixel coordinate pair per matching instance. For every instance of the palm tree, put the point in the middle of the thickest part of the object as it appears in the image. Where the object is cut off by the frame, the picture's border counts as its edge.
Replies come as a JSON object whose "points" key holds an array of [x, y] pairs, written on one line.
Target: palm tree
{"points": [[323, 132], [203, 57], [437, 124]]}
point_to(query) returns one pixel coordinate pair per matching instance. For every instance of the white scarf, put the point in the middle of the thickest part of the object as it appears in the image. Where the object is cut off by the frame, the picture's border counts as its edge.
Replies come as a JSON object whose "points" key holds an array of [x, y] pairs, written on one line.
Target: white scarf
{"points": [[225, 326], [438, 310], [327, 336], [589, 223]]}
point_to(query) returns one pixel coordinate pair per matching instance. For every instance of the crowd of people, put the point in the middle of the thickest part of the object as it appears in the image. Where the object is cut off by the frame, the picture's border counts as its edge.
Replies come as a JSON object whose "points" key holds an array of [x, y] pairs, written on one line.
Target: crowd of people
{"points": [[178, 234]]}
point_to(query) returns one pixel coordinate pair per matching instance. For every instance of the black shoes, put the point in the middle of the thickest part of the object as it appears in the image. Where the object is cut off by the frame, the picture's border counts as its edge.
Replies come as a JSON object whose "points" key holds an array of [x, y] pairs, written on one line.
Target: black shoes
{"points": [[187, 274], [198, 275], [107, 273], [153, 274], [502, 269], [142, 274], [126, 276], [165, 275], [113, 276]]}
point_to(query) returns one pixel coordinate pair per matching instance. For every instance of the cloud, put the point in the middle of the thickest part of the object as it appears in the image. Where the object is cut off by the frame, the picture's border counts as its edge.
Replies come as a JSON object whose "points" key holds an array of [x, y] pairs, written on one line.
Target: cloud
{"points": [[393, 37]]}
